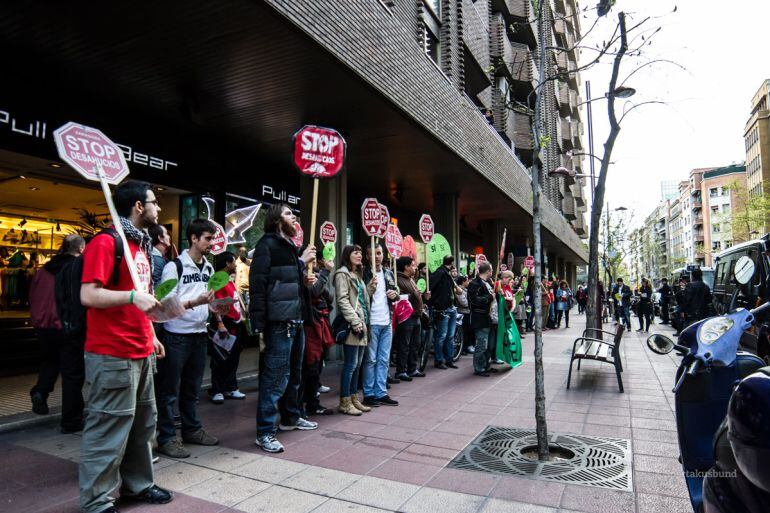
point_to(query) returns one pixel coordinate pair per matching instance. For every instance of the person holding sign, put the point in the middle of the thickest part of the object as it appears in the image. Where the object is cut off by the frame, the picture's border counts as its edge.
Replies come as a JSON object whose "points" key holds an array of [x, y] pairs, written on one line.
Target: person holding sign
{"points": [[442, 288], [225, 343], [277, 309], [180, 375], [377, 357], [408, 331], [480, 298], [119, 346]]}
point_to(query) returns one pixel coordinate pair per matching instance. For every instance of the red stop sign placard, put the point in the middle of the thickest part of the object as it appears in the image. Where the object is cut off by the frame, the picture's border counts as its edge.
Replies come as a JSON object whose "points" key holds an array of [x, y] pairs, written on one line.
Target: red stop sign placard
{"points": [[219, 240], [427, 228], [328, 233], [319, 152], [481, 259], [84, 148], [370, 216], [394, 241], [384, 221], [299, 235]]}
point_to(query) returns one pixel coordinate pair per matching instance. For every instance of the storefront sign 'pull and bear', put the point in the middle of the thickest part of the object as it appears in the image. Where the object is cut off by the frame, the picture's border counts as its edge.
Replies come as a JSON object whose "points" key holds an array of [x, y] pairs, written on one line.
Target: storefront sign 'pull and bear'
{"points": [[318, 153], [92, 154]]}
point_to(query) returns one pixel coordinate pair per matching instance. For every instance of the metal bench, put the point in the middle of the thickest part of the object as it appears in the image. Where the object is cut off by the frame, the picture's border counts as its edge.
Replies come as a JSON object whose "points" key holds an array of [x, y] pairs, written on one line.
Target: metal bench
{"points": [[590, 348]]}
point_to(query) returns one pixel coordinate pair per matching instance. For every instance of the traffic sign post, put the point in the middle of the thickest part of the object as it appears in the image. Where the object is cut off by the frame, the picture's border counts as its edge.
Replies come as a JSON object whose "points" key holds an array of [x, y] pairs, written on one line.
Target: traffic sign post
{"points": [[92, 154], [370, 219], [427, 229], [501, 256], [395, 244], [529, 263], [319, 152]]}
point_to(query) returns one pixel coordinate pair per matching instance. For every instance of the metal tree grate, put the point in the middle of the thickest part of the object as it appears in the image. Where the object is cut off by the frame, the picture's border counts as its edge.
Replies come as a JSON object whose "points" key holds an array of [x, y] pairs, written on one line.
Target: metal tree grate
{"points": [[599, 461]]}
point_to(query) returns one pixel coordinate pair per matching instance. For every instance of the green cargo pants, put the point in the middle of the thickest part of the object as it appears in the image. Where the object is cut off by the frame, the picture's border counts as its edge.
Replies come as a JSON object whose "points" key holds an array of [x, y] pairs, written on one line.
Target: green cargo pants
{"points": [[117, 439]]}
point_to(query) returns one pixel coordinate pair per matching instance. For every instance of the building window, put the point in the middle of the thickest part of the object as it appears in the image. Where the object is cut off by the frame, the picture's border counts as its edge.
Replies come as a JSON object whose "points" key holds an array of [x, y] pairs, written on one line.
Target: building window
{"points": [[716, 245], [726, 209], [715, 228], [725, 191], [713, 192], [715, 209]]}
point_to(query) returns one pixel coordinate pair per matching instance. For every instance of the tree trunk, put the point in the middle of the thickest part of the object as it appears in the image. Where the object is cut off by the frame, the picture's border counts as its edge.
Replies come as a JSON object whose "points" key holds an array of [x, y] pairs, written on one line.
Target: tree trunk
{"points": [[540, 420], [593, 310]]}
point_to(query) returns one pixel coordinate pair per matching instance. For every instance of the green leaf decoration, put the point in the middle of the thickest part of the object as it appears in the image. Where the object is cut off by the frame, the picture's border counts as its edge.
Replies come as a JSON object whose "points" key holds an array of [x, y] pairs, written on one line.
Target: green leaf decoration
{"points": [[163, 289], [218, 281], [329, 252], [421, 285]]}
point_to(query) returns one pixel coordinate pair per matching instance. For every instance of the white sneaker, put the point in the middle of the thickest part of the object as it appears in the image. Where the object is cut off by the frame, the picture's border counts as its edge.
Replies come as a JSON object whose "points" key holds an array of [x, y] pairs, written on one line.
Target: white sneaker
{"points": [[499, 362], [269, 443], [217, 398], [235, 394], [471, 349], [323, 389], [302, 425]]}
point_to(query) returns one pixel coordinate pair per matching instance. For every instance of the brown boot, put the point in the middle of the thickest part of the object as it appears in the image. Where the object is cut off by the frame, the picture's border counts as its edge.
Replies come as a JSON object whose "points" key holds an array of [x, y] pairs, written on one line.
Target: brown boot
{"points": [[358, 405], [347, 407]]}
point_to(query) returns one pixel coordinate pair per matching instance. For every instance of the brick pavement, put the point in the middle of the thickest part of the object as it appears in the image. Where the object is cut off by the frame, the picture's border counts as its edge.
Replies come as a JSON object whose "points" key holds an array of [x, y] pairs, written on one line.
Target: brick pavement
{"points": [[394, 459]]}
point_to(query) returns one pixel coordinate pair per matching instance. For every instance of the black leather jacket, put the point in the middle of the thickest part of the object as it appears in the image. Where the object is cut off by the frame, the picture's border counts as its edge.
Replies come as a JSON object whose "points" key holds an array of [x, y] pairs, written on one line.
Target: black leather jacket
{"points": [[276, 289]]}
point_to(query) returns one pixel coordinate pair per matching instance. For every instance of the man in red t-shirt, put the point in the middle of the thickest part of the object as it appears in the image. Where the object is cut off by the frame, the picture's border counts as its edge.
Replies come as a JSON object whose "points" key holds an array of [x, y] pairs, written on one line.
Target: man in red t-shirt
{"points": [[119, 347]]}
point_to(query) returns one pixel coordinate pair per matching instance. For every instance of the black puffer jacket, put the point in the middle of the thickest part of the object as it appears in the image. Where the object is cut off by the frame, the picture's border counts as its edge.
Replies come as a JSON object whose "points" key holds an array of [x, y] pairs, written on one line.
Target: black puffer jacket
{"points": [[276, 283]]}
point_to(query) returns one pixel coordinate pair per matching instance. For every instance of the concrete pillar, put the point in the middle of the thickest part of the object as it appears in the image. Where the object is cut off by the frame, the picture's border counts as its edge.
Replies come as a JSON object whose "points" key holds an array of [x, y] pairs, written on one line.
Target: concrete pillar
{"points": [[447, 220]]}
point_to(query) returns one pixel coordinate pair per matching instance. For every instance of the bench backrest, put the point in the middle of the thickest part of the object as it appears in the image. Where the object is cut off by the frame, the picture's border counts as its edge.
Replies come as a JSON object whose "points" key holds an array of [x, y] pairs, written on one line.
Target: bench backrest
{"points": [[618, 339]]}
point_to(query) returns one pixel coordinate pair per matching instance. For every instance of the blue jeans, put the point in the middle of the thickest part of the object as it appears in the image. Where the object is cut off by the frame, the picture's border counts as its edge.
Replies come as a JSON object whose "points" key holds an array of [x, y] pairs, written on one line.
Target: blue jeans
{"points": [[349, 380], [480, 356], [376, 362], [180, 375], [280, 371], [444, 338], [625, 316]]}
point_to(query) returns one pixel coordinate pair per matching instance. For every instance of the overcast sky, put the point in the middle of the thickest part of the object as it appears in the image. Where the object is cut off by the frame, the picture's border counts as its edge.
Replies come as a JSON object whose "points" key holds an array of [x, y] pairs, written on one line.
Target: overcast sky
{"points": [[723, 48]]}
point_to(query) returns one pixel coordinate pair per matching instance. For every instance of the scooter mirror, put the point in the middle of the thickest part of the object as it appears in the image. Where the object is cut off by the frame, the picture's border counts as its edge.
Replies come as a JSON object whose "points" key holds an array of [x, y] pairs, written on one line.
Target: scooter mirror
{"points": [[660, 344], [744, 270]]}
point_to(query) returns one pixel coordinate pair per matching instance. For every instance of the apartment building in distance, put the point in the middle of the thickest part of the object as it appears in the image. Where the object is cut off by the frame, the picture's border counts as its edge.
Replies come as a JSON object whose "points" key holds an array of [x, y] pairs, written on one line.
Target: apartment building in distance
{"points": [[690, 229], [756, 137]]}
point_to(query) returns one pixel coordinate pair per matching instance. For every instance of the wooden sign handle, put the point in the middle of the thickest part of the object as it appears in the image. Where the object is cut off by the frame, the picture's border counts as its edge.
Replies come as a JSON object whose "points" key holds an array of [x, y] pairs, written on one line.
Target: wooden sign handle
{"points": [[119, 228], [312, 224]]}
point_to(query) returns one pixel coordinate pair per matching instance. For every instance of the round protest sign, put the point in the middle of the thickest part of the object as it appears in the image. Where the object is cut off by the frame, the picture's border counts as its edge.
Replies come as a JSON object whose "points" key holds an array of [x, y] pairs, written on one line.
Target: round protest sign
{"points": [[438, 248]]}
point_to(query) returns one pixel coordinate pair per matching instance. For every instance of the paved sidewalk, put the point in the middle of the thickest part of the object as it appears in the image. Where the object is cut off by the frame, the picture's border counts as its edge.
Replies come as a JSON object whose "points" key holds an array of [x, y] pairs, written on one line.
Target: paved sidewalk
{"points": [[395, 458]]}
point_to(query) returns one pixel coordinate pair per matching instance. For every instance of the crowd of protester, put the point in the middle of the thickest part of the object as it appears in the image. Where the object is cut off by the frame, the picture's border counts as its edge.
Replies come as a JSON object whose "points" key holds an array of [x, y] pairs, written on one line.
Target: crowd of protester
{"points": [[94, 317]]}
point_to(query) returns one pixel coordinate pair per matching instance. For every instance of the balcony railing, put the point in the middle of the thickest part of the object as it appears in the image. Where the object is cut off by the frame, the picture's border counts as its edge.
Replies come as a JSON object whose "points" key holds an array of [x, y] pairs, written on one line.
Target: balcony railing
{"points": [[698, 220], [568, 208], [522, 66], [500, 46], [518, 8], [476, 33]]}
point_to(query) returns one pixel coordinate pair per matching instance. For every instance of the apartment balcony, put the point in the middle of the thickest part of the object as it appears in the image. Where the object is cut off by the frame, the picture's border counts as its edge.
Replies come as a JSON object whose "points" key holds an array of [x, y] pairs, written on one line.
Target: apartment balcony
{"points": [[522, 66], [518, 8], [577, 193], [698, 238], [568, 208], [561, 7], [580, 227], [575, 126], [562, 61], [698, 220], [574, 78], [565, 107], [559, 26], [697, 204], [520, 128], [566, 134], [500, 50], [476, 34], [576, 110]]}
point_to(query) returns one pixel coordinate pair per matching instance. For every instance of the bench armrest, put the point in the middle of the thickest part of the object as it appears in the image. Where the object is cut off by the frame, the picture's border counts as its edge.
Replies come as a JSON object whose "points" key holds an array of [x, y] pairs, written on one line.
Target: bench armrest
{"points": [[596, 330]]}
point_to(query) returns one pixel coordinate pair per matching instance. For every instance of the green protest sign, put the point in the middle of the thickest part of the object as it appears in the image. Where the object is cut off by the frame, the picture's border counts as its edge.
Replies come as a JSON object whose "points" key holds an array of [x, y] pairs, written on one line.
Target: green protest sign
{"points": [[218, 281], [438, 248], [163, 289], [471, 268], [329, 252], [421, 285]]}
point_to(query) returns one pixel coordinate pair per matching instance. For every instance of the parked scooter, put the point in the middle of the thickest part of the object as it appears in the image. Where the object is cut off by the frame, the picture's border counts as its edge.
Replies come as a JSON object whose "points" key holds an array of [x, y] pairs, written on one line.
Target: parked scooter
{"points": [[711, 365]]}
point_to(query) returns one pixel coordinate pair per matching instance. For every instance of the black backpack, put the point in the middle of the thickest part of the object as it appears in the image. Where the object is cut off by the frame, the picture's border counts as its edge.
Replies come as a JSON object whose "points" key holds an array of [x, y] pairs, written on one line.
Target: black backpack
{"points": [[72, 313]]}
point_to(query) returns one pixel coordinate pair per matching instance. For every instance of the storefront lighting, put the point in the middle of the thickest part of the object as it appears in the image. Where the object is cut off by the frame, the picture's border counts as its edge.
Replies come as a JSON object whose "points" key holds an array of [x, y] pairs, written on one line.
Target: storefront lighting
{"points": [[22, 177], [34, 188], [160, 188], [55, 164]]}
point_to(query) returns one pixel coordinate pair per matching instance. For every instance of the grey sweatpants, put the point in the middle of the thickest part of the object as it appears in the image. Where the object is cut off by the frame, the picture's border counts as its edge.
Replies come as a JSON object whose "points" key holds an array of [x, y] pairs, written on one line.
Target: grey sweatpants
{"points": [[117, 439]]}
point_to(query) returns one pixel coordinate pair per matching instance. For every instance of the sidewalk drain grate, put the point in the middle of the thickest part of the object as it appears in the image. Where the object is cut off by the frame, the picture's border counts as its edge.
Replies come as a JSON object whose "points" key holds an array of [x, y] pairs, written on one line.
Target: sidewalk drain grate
{"points": [[599, 461]]}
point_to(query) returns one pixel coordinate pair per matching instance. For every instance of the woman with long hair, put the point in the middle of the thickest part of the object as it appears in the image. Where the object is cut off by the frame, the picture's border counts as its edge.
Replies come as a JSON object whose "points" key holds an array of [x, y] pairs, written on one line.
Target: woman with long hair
{"points": [[353, 303], [563, 297]]}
